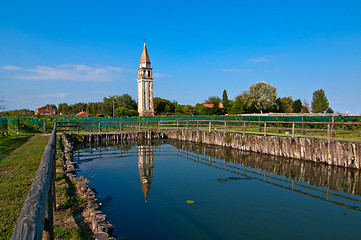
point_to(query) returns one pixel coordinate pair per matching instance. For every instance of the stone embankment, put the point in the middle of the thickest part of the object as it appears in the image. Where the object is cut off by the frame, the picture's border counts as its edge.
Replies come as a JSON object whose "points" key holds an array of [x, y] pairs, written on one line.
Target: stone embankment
{"points": [[329, 152], [101, 228]]}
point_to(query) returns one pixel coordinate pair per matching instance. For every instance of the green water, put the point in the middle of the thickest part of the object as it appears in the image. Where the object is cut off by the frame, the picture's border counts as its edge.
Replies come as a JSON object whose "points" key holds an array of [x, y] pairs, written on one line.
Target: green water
{"points": [[144, 189]]}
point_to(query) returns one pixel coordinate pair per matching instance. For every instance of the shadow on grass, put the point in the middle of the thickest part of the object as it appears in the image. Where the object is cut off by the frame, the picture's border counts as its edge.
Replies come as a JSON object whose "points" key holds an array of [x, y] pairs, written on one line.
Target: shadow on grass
{"points": [[10, 143]]}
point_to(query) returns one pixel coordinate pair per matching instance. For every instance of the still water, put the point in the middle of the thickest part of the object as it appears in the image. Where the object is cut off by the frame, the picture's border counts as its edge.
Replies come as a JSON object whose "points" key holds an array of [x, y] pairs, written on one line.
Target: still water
{"points": [[144, 188]]}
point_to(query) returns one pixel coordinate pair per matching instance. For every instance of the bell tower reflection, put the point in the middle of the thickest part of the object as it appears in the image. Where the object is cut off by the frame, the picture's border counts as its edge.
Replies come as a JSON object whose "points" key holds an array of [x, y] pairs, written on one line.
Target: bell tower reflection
{"points": [[145, 166]]}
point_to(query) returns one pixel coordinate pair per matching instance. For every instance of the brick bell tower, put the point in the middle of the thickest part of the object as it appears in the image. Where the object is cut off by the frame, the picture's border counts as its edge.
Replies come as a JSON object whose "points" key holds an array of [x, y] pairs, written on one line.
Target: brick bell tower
{"points": [[145, 85]]}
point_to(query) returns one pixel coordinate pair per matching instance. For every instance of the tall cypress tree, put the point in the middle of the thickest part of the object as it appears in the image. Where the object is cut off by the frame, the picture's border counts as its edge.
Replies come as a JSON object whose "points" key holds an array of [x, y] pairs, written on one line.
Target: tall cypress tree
{"points": [[224, 98]]}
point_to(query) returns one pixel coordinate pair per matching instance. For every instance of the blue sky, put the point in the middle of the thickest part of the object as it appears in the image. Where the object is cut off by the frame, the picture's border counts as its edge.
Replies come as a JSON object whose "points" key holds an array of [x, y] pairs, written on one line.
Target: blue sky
{"points": [[82, 51]]}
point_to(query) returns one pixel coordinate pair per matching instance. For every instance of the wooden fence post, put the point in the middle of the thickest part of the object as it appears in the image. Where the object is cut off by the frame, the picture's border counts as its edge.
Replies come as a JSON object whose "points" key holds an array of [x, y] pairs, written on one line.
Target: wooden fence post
{"points": [[259, 123], [44, 127], [177, 126], [328, 131], [210, 126], [77, 126], [197, 125], [139, 126], [99, 127], [244, 128], [225, 126], [333, 121], [120, 126], [303, 127], [91, 125], [293, 130], [187, 124], [265, 128]]}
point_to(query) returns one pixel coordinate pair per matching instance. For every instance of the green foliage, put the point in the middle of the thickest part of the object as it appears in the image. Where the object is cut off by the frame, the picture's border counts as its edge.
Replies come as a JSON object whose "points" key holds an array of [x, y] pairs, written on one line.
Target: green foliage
{"points": [[21, 112], [262, 96], [213, 100], [305, 107], [319, 101], [329, 110], [225, 98], [240, 104], [70, 233], [184, 109], [297, 106], [99, 108], [163, 106], [285, 104], [122, 111]]}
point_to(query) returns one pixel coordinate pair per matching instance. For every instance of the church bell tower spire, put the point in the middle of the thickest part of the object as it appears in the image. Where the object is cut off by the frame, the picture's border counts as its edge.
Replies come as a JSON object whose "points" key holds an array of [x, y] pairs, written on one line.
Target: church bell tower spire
{"points": [[145, 85]]}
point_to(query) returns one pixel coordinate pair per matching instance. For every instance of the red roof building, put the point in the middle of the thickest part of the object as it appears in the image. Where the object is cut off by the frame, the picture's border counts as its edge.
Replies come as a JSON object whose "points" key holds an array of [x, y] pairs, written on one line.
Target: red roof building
{"points": [[209, 105], [45, 111], [84, 114]]}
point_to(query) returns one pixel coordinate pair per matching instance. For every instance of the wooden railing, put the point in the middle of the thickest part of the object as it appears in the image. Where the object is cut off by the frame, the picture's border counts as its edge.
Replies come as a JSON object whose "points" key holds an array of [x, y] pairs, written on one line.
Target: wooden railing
{"points": [[342, 131], [36, 217]]}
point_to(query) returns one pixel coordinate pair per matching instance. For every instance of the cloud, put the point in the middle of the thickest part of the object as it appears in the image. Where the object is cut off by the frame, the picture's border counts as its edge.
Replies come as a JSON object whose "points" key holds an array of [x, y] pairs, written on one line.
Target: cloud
{"points": [[52, 95], [11, 67], [258, 60], [72, 72], [160, 75], [236, 70]]}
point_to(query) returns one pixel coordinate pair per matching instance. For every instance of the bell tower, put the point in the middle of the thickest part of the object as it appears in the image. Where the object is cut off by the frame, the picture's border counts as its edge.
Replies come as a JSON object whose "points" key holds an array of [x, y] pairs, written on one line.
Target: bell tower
{"points": [[145, 85]]}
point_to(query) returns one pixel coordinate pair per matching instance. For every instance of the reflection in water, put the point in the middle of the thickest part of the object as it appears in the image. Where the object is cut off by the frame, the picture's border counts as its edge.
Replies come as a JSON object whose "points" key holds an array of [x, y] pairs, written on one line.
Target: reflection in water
{"points": [[237, 195], [145, 166], [291, 174]]}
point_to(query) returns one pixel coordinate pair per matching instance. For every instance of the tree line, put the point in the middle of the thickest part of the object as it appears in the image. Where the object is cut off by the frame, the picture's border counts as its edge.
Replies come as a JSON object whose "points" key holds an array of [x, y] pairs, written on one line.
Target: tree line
{"points": [[261, 97]]}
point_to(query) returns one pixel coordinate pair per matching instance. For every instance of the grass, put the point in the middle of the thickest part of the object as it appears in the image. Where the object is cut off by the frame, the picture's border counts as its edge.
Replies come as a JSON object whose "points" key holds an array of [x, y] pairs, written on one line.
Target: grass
{"points": [[68, 220], [10, 143], [20, 158]]}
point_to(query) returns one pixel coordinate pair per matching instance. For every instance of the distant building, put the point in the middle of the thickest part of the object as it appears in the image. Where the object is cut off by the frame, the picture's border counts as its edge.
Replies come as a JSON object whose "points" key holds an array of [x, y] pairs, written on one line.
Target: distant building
{"points": [[45, 111], [83, 114], [209, 105], [145, 85]]}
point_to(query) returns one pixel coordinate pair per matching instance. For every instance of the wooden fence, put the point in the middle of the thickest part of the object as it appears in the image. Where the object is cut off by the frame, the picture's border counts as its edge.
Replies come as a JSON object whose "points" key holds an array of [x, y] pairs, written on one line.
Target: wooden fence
{"points": [[36, 217], [342, 131]]}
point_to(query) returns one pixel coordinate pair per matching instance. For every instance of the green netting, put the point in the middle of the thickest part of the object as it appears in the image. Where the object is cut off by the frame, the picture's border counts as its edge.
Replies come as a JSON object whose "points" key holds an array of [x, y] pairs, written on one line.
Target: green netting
{"points": [[3, 121], [50, 120]]}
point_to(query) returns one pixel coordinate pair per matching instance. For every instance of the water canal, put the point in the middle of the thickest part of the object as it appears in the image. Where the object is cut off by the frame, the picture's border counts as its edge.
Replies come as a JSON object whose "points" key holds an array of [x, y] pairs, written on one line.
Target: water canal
{"points": [[144, 188]]}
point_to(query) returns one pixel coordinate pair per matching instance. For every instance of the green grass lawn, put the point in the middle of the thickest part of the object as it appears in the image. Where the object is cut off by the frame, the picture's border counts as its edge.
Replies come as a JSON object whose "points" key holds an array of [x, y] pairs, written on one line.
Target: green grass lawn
{"points": [[19, 159]]}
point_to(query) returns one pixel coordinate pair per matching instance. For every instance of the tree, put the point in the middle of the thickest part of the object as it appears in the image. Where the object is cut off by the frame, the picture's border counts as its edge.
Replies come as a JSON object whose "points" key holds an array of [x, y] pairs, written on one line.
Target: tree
{"points": [[305, 107], [125, 101], [284, 104], [297, 106], [63, 108], [224, 98], [213, 100], [240, 104], [262, 96], [163, 106], [112, 102], [329, 110], [122, 111], [319, 101]]}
